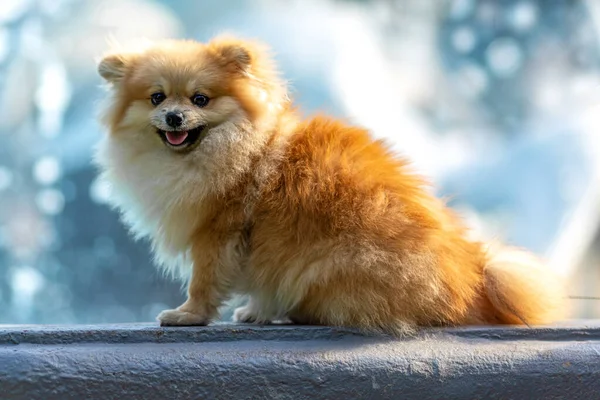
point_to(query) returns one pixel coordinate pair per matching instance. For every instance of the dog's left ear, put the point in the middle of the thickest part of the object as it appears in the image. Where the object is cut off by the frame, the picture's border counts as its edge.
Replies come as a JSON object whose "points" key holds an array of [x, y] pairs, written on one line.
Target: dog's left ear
{"points": [[233, 54], [114, 67]]}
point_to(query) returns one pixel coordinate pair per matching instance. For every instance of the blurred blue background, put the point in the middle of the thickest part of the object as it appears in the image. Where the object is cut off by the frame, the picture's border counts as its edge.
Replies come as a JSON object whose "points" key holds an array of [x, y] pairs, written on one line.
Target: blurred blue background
{"points": [[496, 101]]}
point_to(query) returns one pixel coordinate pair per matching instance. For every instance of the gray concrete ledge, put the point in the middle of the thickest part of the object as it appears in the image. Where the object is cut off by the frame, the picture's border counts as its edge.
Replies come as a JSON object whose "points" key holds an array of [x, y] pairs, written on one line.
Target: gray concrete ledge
{"points": [[143, 361]]}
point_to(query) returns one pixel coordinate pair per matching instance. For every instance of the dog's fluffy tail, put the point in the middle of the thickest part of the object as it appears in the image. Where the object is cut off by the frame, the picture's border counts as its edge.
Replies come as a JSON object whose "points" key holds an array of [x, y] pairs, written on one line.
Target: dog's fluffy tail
{"points": [[521, 289]]}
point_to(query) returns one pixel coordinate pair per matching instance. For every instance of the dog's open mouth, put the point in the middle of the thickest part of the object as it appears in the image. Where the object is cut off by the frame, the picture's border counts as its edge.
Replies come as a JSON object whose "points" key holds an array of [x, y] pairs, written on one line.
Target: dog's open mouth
{"points": [[181, 139]]}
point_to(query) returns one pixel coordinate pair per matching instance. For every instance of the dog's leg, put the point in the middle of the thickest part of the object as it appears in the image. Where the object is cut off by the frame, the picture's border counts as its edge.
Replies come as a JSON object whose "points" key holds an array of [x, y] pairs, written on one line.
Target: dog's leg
{"points": [[207, 288]]}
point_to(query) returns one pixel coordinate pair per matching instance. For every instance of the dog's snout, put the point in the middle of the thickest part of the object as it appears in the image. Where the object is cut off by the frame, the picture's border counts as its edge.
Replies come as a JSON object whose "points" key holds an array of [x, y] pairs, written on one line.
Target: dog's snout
{"points": [[174, 119]]}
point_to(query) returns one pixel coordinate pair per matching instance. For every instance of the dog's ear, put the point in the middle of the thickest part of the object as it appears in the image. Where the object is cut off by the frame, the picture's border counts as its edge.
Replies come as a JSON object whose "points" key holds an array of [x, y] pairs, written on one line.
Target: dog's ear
{"points": [[234, 54], [121, 58], [237, 55], [113, 67]]}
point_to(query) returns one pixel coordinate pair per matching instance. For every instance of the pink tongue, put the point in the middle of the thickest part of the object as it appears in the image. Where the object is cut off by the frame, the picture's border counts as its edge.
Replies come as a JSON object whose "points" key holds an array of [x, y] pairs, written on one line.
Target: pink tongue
{"points": [[176, 138]]}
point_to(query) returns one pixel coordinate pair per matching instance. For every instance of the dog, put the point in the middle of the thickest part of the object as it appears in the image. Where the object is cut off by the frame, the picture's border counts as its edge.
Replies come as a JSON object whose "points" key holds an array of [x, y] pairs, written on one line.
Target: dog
{"points": [[313, 219]]}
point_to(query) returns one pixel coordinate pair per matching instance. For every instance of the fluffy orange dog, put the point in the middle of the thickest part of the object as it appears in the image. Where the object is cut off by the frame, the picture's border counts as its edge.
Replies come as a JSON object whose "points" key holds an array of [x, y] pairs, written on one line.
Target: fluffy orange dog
{"points": [[315, 220]]}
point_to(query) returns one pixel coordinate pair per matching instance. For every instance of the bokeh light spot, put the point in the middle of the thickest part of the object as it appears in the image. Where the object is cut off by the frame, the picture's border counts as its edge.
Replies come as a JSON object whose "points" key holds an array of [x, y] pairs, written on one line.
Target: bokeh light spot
{"points": [[47, 170], [50, 201]]}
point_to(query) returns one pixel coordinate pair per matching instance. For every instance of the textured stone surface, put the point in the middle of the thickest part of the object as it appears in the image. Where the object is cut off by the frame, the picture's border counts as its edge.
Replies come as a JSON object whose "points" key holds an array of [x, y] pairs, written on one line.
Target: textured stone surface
{"points": [[284, 362]]}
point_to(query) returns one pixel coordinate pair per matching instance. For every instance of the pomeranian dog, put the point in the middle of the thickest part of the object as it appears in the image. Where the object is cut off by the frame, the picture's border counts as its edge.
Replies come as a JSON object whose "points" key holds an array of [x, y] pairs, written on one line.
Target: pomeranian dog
{"points": [[314, 220]]}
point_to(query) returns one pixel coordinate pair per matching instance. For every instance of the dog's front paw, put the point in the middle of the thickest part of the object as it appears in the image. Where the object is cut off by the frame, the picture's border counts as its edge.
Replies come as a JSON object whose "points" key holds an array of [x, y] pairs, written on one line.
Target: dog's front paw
{"points": [[181, 318]]}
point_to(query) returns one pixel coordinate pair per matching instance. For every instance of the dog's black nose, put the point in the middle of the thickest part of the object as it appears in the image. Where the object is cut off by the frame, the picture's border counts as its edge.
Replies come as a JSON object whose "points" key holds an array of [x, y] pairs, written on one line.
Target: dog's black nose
{"points": [[174, 119]]}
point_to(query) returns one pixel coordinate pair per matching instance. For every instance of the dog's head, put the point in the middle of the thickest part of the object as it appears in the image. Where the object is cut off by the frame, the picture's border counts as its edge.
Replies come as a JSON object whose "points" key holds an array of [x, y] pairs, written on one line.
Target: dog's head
{"points": [[185, 95]]}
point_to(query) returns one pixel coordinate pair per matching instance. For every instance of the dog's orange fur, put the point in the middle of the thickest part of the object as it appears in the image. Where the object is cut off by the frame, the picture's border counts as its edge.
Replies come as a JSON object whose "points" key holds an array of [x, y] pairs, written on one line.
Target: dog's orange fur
{"points": [[315, 220]]}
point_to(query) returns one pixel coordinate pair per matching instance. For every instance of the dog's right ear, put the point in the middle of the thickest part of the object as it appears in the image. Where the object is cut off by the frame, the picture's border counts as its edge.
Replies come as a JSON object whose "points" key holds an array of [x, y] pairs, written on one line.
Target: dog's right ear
{"points": [[113, 67]]}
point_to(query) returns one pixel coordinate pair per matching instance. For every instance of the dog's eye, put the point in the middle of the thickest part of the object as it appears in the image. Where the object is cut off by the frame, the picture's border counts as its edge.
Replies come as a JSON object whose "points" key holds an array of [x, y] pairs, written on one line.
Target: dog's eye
{"points": [[157, 98], [200, 100]]}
